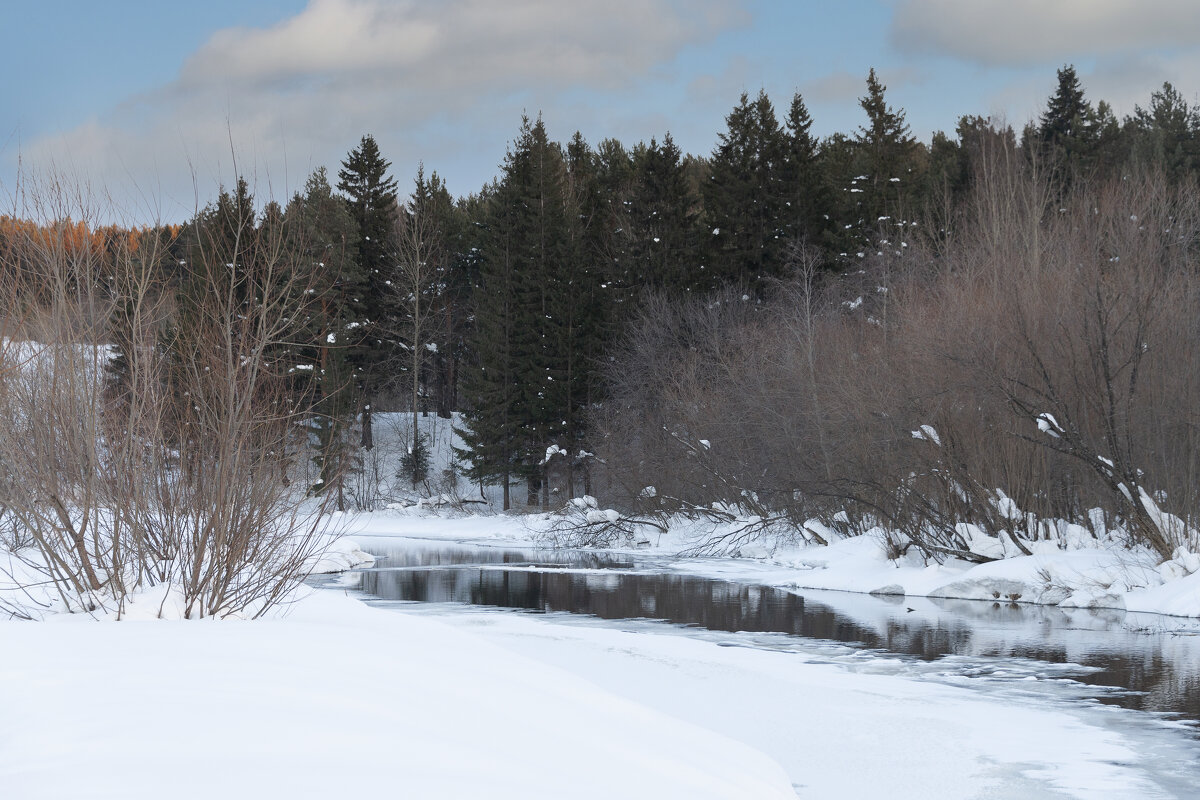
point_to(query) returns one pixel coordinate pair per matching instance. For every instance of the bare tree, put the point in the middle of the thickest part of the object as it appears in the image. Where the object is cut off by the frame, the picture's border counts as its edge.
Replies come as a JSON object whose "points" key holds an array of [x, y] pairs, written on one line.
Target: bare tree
{"points": [[178, 476], [419, 250]]}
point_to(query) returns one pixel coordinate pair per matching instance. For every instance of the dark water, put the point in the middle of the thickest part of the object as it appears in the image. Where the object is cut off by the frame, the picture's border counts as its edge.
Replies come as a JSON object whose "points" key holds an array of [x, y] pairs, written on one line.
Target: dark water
{"points": [[1155, 659]]}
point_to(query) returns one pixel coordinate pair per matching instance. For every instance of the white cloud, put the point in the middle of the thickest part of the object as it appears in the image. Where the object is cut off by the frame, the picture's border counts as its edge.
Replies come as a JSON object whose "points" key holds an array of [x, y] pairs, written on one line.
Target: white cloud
{"points": [[1024, 32], [423, 77], [467, 44]]}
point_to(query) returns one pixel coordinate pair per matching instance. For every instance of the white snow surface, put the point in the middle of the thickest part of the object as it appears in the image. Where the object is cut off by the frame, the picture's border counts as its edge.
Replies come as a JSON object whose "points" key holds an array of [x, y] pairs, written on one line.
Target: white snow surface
{"points": [[336, 695], [459, 702], [839, 733]]}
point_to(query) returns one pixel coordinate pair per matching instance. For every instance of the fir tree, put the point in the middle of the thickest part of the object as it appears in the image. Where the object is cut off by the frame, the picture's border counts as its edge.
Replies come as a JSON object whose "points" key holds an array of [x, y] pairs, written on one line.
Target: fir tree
{"points": [[805, 186], [534, 318], [744, 198], [1064, 133], [323, 234], [888, 158], [1167, 133], [662, 221], [371, 197]]}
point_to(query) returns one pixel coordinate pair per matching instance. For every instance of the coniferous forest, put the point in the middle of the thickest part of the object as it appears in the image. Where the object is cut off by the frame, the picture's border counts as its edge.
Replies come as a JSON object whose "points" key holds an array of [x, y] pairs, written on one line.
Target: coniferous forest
{"points": [[770, 325]]}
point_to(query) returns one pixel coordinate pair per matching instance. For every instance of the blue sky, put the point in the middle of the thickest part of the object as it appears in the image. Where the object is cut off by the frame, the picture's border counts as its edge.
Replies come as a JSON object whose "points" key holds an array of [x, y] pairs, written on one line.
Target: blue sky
{"points": [[158, 103]]}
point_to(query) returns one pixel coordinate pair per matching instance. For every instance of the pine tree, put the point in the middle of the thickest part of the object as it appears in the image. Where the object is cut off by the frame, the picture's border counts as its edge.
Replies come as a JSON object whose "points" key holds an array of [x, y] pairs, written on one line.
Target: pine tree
{"points": [[806, 189], [323, 234], [662, 221], [888, 159], [371, 198], [1065, 117], [419, 263], [1167, 133], [744, 198], [1064, 134], [534, 317]]}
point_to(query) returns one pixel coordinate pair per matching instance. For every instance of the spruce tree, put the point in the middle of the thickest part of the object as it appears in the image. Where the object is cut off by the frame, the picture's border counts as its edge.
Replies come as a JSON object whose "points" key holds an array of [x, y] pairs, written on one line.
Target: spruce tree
{"points": [[491, 430], [662, 220], [1167, 133], [534, 318], [744, 197], [1066, 113], [448, 289], [805, 187], [584, 303], [1065, 136], [888, 159], [419, 263], [465, 234], [494, 431], [371, 197], [323, 235], [538, 216], [615, 186]]}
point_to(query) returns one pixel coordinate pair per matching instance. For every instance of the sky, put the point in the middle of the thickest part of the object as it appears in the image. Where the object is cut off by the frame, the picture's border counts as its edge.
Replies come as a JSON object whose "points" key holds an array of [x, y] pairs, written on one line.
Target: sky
{"points": [[150, 106]]}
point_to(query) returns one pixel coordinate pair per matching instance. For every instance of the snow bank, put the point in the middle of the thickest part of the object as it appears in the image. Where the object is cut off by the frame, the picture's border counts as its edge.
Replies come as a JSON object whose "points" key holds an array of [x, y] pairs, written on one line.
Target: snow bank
{"points": [[340, 555], [1083, 578], [335, 695], [1079, 576]]}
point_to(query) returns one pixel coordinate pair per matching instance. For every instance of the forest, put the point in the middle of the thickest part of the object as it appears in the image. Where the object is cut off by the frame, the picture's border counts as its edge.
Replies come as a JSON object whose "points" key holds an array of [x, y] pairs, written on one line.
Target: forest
{"points": [[967, 341]]}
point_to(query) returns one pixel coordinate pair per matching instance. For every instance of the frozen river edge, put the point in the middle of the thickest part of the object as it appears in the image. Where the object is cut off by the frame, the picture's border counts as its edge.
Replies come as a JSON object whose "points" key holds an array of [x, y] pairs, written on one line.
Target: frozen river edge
{"points": [[336, 694]]}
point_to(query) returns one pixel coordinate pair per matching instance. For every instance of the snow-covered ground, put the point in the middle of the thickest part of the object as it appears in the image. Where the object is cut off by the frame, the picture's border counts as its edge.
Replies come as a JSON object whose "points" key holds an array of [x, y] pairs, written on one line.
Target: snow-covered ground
{"points": [[445, 701], [850, 727], [858, 731], [451, 701], [335, 697]]}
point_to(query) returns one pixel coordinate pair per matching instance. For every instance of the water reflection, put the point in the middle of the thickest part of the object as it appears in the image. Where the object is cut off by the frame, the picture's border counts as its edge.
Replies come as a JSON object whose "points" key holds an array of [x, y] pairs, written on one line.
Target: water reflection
{"points": [[1161, 669], [680, 599]]}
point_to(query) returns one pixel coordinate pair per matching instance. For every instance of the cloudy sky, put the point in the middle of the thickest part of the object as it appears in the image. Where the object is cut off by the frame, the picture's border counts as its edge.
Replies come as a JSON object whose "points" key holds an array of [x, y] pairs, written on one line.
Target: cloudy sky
{"points": [[159, 102]]}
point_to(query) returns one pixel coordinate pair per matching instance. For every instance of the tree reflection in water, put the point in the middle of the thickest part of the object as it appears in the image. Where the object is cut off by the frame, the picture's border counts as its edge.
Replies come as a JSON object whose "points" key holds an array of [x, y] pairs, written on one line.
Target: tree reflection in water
{"points": [[1162, 670]]}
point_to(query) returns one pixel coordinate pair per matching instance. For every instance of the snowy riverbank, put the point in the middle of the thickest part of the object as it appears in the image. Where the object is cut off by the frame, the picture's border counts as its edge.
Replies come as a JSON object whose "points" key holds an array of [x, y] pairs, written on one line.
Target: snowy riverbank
{"points": [[1081, 574], [334, 695], [462, 702]]}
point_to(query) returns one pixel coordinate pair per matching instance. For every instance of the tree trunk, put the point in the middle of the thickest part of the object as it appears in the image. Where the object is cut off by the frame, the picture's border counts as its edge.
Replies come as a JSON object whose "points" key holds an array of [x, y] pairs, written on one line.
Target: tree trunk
{"points": [[368, 435]]}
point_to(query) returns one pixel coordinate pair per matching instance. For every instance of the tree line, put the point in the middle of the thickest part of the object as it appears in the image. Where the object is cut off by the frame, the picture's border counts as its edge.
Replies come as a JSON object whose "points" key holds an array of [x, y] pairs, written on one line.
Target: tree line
{"points": [[515, 305]]}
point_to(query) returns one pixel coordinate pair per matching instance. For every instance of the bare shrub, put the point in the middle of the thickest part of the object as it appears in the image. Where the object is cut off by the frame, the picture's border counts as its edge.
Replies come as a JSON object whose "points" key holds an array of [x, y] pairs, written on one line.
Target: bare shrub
{"points": [[179, 476], [1032, 360]]}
